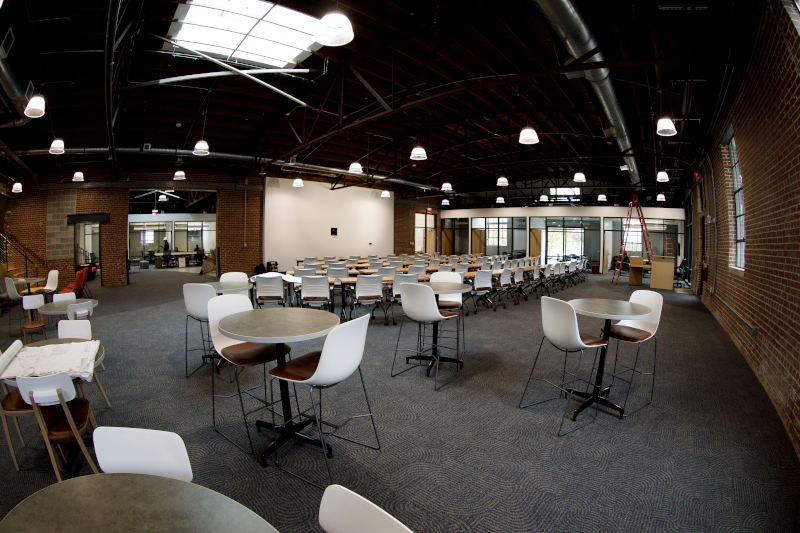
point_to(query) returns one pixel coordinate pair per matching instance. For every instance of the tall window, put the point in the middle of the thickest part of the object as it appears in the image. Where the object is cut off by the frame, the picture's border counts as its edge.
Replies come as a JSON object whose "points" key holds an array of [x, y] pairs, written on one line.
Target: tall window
{"points": [[738, 205], [497, 232], [147, 237]]}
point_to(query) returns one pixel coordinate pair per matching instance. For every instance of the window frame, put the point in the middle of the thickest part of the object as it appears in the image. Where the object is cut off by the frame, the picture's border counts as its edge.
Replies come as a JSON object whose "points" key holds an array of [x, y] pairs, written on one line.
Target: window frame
{"points": [[737, 186]]}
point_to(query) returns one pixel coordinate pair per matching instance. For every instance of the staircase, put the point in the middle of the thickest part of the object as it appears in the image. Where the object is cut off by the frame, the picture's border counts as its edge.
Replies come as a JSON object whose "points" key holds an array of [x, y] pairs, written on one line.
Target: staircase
{"points": [[18, 260]]}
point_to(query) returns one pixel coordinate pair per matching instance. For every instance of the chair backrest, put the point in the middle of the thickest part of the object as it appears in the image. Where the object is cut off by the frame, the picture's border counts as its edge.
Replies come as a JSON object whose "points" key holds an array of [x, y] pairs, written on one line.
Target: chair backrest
{"points": [[300, 272], [371, 257], [315, 266], [343, 511], [387, 271], [462, 267], [80, 280], [75, 329], [497, 265], [315, 287], [419, 303], [221, 306], [536, 270], [195, 298], [518, 275], [505, 276], [655, 302], [419, 262], [64, 296], [52, 280], [267, 285], [402, 256], [76, 309], [338, 273], [356, 257], [486, 266], [419, 270], [341, 353], [32, 302], [399, 279], [44, 389], [233, 276], [327, 258], [11, 289], [514, 263], [446, 268], [434, 262], [448, 277], [376, 264], [331, 261], [396, 264], [307, 260], [483, 279], [506, 264], [560, 324], [369, 285], [351, 262], [142, 451]]}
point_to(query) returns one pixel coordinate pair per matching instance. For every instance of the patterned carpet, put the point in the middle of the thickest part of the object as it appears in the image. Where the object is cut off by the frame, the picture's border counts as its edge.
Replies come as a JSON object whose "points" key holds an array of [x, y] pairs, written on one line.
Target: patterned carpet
{"points": [[710, 454]]}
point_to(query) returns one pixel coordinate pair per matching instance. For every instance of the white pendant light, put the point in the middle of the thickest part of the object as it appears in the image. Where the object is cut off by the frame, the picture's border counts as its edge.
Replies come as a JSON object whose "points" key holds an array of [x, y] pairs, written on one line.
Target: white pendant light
{"points": [[201, 148], [418, 154], [528, 136], [162, 198], [662, 176], [666, 128], [297, 182], [335, 29], [155, 211], [179, 175], [623, 167], [502, 181], [57, 146], [17, 187], [386, 194], [580, 177], [500, 200], [543, 198], [78, 176], [35, 107], [601, 197], [661, 198], [355, 168], [445, 202], [446, 187]]}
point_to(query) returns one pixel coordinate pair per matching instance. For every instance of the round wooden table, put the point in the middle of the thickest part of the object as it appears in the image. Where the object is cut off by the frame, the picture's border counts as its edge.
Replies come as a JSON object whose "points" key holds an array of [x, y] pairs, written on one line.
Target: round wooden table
{"points": [[280, 325], [60, 308], [608, 310], [225, 287], [125, 503]]}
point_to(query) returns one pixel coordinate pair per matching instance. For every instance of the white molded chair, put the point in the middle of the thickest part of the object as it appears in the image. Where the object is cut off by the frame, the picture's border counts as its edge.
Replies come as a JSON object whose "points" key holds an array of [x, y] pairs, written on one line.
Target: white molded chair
{"points": [[30, 304], [59, 297], [56, 404], [343, 511], [396, 295], [307, 260], [339, 359], [82, 329], [638, 331], [481, 289], [121, 450], [396, 264], [560, 327], [50, 286], [269, 289], [315, 292], [239, 277], [375, 264], [419, 270], [81, 311], [369, 291], [195, 298]]}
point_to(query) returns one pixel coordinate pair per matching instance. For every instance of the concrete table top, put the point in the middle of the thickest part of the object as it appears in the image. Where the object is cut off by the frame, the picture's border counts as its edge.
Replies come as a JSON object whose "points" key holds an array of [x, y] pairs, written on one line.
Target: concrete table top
{"points": [[223, 287], [610, 309], [276, 325], [60, 308]]}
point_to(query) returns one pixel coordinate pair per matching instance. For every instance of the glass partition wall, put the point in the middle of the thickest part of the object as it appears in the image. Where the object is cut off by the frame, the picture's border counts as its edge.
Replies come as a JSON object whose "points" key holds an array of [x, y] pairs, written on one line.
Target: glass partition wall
{"points": [[190, 234], [498, 236], [563, 238], [146, 236], [455, 236], [666, 238], [424, 233]]}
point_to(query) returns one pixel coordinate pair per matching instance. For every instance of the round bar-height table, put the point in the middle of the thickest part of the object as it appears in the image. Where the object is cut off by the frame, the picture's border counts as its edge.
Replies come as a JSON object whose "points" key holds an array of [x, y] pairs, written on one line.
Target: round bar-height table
{"points": [[608, 310], [60, 308], [279, 326], [225, 287]]}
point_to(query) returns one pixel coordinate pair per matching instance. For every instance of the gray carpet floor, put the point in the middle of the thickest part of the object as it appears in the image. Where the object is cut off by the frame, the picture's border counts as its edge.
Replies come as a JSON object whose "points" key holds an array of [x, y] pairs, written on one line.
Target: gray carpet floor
{"points": [[709, 454]]}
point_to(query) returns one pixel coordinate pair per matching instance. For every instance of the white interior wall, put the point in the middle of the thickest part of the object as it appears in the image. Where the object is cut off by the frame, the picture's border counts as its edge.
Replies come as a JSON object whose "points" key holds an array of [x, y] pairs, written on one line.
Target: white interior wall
{"points": [[298, 221]]}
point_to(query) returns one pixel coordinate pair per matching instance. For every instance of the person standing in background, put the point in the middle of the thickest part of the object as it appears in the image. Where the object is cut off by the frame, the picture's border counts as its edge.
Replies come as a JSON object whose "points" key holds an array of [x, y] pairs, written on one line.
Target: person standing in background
{"points": [[166, 245]]}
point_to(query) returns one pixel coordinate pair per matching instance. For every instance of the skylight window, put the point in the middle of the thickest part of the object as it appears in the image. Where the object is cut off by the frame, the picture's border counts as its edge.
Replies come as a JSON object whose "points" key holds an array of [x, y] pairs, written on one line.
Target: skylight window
{"points": [[250, 31], [565, 194]]}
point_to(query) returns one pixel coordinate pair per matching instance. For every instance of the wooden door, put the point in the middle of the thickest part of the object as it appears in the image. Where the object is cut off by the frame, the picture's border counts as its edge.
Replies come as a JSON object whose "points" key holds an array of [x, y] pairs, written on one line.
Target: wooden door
{"points": [[430, 241], [536, 242]]}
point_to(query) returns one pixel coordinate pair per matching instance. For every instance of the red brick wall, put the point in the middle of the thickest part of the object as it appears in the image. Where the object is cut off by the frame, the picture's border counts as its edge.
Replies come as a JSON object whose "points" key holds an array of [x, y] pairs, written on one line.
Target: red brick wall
{"points": [[113, 234], [231, 237], [766, 125], [404, 226]]}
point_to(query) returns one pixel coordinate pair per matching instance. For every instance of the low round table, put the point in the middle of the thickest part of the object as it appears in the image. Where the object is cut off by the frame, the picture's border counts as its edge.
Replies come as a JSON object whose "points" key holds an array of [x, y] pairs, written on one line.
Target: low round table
{"points": [[130, 503], [608, 310], [225, 287], [60, 308], [280, 325]]}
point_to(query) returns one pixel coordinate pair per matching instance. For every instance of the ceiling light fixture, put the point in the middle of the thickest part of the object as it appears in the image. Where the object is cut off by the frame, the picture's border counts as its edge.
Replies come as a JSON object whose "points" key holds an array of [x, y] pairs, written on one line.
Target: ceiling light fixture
{"points": [[662, 177], [580, 177], [386, 194], [500, 200], [601, 197], [335, 29], [35, 107], [162, 197], [418, 154], [623, 167], [661, 198], [17, 187], [201, 148], [179, 175], [445, 202], [665, 127], [297, 182], [57, 147], [446, 187], [78, 176], [355, 168], [543, 198], [528, 136], [502, 181]]}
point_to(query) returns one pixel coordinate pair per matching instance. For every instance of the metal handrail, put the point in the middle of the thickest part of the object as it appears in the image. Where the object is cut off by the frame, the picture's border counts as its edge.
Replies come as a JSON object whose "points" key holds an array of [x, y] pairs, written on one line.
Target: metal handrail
{"points": [[20, 248]]}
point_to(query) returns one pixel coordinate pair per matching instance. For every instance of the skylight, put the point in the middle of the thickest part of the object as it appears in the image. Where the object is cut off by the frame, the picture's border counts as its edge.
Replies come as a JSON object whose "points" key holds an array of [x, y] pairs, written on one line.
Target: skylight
{"points": [[565, 194], [250, 31]]}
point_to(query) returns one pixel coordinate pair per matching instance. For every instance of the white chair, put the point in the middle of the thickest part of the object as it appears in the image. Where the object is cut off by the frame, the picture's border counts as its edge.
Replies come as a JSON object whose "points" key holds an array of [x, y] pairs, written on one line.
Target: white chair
{"points": [[419, 305], [638, 331], [396, 295], [419, 270], [195, 298], [12, 404], [518, 285], [329, 258], [269, 289], [369, 291], [30, 304], [501, 287], [238, 277], [59, 297], [239, 354], [485, 265], [560, 327], [56, 406], [402, 257], [315, 292], [396, 264], [343, 511], [375, 264], [81, 311], [352, 262], [300, 273], [307, 260], [481, 290], [452, 302], [339, 359], [462, 267], [50, 286], [82, 329], [445, 268], [434, 262], [122, 450], [387, 271]]}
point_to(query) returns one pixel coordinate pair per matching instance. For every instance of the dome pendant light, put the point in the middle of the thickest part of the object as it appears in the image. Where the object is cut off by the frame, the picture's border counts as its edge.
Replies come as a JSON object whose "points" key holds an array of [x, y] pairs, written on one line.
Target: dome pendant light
{"points": [[446, 187], [162, 197], [543, 198], [201, 148], [528, 136], [502, 181], [355, 168], [297, 182], [57, 147], [418, 154], [335, 29], [179, 175], [662, 177], [386, 194], [445, 202], [601, 197], [580, 177], [666, 128], [17, 187], [661, 198], [78, 176], [35, 107], [500, 200]]}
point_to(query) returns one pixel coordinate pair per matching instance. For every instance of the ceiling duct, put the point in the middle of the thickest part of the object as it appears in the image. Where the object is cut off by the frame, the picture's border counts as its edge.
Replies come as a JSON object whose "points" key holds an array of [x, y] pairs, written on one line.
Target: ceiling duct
{"points": [[573, 31], [12, 88]]}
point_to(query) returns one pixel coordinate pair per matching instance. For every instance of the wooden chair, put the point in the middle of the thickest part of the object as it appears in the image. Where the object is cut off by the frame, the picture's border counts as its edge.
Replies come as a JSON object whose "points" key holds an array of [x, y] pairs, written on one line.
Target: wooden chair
{"points": [[12, 404]]}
